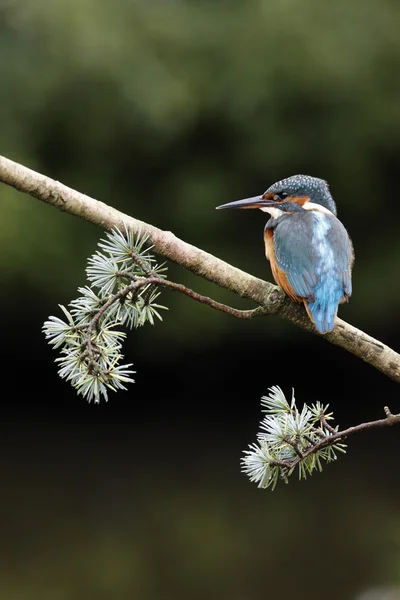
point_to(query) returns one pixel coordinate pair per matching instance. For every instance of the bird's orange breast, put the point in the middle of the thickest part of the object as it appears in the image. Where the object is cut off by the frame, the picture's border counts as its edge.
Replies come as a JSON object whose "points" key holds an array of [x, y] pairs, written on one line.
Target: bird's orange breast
{"points": [[277, 273]]}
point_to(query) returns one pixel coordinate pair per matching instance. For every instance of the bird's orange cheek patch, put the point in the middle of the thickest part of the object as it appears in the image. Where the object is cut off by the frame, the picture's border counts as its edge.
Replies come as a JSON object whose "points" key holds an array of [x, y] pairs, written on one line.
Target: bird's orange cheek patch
{"points": [[300, 200]]}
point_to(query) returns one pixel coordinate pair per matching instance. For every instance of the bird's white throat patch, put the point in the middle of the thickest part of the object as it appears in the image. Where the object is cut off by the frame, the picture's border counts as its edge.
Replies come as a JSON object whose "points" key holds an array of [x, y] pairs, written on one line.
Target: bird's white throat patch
{"points": [[273, 211], [317, 207]]}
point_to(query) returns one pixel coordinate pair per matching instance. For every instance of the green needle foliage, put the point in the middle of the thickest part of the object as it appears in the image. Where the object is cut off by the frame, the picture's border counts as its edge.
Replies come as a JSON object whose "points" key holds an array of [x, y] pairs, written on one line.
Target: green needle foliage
{"points": [[123, 279], [290, 439]]}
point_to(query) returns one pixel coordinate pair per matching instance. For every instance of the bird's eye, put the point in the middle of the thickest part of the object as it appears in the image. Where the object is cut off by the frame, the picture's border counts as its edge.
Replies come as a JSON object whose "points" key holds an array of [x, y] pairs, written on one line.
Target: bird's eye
{"points": [[282, 195]]}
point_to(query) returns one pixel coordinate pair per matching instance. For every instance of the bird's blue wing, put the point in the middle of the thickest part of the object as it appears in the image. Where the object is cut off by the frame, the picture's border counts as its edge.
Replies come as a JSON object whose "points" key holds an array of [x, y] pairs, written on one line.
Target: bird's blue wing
{"points": [[314, 251], [294, 253]]}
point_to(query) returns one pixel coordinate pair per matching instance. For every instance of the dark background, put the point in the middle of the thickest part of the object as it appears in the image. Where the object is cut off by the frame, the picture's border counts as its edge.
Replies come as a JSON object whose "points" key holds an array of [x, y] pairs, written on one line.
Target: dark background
{"points": [[165, 109]]}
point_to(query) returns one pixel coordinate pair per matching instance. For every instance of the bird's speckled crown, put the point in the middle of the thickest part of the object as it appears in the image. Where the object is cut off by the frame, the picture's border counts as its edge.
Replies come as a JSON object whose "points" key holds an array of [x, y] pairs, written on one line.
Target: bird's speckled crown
{"points": [[305, 185]]}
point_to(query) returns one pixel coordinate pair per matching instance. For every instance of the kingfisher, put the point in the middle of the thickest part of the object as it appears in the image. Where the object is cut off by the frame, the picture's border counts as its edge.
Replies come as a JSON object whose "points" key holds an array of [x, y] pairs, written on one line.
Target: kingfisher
{"points": [[309, 249]]}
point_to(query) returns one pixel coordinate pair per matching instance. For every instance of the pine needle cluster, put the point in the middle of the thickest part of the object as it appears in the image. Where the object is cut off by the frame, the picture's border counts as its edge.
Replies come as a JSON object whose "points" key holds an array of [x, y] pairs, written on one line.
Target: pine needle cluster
{"points": [[290, 439], [123, 291]]}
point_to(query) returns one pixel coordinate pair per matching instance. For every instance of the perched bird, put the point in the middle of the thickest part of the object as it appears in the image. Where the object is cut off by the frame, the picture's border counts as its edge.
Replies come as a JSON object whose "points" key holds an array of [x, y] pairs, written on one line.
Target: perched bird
{"points": [[309, 249]]}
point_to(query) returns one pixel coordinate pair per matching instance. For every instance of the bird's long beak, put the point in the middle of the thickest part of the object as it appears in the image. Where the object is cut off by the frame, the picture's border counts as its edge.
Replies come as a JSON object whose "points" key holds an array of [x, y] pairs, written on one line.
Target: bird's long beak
{"points": [[255, 202]]}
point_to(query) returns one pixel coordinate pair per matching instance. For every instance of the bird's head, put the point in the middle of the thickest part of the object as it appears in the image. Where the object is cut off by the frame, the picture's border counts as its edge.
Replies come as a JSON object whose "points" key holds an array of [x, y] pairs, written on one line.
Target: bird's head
{"points": [[290, 195]]}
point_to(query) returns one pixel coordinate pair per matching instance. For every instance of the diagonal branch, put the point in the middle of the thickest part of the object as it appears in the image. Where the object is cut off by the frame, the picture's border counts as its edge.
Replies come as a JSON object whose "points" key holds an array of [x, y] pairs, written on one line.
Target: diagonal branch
{"points": [[267, 295]]}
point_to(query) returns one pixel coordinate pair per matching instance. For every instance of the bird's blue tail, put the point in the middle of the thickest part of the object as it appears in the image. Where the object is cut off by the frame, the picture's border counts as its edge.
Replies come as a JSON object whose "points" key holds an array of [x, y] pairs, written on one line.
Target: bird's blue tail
{"points": [[324, 309]]}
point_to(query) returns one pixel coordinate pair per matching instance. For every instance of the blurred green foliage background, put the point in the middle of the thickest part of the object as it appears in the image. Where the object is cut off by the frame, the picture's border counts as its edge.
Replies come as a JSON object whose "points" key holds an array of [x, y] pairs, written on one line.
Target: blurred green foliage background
{"points": [[165, 109]]}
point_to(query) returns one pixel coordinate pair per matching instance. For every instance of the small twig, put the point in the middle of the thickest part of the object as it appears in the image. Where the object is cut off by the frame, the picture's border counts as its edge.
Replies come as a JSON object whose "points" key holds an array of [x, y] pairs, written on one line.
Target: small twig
{"points": [[296, 448], [317, 432], [327, 425], [141, 263], [285, 464], [234, 312], [387, 411], [136, 284], [338, 436], [309, 439]]}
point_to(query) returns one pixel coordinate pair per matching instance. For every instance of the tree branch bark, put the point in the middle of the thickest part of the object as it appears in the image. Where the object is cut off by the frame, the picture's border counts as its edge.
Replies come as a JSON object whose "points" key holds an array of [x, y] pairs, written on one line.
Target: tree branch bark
{"points": [[267, 295]]}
